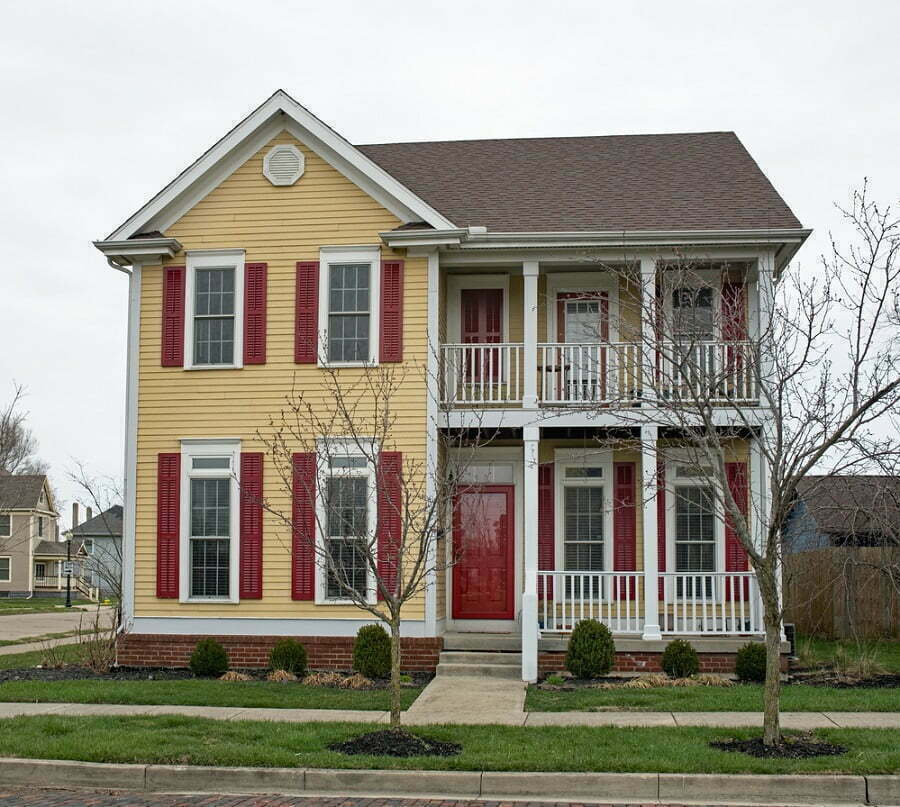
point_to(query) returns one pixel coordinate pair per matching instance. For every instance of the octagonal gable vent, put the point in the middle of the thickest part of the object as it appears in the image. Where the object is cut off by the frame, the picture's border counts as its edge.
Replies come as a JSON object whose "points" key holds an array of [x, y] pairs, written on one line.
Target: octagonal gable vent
{"points": [[283, 165]]}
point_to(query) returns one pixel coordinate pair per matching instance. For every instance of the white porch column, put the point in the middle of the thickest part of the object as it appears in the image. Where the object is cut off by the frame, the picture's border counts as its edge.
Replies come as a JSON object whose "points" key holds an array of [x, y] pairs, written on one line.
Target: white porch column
{"points": [[529, 329], [649, 436], [648, 328], [531, 437], [431, 433]]}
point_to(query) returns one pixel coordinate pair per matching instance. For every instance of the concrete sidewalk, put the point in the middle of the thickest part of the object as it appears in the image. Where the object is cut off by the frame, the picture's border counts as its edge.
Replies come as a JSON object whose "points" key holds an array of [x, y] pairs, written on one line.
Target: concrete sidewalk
{"points": [[442, 715]]}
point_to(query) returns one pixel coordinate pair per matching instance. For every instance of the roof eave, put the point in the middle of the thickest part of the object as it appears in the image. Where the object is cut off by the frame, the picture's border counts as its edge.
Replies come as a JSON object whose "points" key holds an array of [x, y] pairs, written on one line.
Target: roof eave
{"points": [[127, 251]]}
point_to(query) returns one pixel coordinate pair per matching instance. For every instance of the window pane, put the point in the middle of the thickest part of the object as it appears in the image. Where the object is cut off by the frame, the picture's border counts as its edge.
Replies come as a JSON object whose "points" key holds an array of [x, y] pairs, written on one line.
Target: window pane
{"points": [[584, 473], [4, 568], [5, 524], [210, 567], [214, 340], [347, 507], [212, 462], [348, 320], [695, 529], [692, 311], [349, 559], [348, 462], [211, 507], [583, 529], [348, 337], [214, 291]]}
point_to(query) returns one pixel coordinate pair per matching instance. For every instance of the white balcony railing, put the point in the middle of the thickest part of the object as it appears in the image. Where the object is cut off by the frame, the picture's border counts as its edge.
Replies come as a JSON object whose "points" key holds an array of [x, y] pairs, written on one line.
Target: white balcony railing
{"points": [[613, 598], [483, 374], [704, 604], [711, 370], [600, 372], [49, 582]]}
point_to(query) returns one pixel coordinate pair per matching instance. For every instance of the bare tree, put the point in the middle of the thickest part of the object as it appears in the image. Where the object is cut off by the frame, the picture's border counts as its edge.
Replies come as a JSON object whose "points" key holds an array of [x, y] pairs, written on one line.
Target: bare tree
{"points": [[18, 445], [814, 389], [373, 519]]}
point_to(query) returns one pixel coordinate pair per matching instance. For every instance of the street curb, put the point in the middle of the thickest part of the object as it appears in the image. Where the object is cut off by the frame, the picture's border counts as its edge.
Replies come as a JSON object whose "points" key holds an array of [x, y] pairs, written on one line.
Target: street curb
{"points": [[812, 789]]}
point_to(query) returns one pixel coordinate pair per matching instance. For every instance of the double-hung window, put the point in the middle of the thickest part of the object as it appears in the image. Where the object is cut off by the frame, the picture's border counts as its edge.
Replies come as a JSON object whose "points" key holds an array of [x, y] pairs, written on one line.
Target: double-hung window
{"points": [[349, 523], [5, 525], [584, 527], [693, 315], [210, 520], [5, 569], [349, 304], [695, 539], [214, 296]]}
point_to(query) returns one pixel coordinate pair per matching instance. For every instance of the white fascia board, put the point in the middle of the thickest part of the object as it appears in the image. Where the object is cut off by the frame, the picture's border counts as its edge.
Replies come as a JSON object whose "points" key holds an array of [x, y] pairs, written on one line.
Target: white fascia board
{"points": [[279, 112], [143, 250], [424, 238]]}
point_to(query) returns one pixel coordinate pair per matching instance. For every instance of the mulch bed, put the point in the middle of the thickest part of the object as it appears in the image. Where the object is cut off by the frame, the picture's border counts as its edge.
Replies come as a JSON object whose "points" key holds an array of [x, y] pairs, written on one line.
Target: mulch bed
{"points": [[802, 747], [826, 678], [396, 743]]}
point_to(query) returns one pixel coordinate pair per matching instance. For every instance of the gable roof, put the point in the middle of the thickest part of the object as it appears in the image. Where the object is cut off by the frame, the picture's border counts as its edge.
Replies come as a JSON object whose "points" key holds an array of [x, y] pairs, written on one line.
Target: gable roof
{"points": [[853, 505], [21, 491], [704, 181], [56, 548], [107, 523]]}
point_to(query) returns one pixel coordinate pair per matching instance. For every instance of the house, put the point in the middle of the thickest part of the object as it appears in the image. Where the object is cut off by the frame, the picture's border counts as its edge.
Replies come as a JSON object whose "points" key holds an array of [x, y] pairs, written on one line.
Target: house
{"points": [[284, 248], [99, 548], [31, 555], [844, 510]]}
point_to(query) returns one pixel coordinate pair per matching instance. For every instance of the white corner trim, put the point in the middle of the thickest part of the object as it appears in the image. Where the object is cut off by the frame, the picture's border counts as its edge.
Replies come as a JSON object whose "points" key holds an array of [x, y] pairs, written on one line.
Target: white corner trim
{"points": [[129, 520], [276, 174], [263, 123], [264, 626], [214, 259]]}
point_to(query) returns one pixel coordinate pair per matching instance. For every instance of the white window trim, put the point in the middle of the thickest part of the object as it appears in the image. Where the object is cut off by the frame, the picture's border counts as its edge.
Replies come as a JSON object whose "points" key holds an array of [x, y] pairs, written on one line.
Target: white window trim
{"points": [[221, 447], [455, 286], [329, 256], [7, 534], [577, 457], [582, 282], [327, 450], [8, 577], [672, 481], [214, 259]]}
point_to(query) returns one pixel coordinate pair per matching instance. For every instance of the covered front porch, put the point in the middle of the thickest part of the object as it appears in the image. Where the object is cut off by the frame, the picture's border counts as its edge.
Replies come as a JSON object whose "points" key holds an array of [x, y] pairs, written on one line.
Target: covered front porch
{"points": [[550, 529]]}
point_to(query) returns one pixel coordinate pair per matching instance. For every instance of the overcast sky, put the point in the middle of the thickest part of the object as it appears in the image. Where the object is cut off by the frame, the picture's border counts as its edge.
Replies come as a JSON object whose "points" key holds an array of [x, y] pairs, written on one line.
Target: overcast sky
{"points": [[103, 103]]}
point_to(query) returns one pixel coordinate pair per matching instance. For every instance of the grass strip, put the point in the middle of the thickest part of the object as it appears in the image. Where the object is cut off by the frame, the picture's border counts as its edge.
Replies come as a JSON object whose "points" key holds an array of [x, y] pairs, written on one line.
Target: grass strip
{"points": [[42, 638], [739, 698], [71, 653], [200, 692], [195, 741]]}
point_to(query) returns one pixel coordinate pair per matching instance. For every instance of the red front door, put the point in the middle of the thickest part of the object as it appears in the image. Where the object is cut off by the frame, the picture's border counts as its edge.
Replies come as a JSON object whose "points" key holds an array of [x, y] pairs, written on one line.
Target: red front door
{"points": [[483, 540]]}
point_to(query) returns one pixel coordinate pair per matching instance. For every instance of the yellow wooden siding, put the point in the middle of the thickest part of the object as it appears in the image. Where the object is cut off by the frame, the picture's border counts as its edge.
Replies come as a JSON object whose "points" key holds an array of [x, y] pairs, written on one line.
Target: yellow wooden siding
{"points": [[280, 226]]}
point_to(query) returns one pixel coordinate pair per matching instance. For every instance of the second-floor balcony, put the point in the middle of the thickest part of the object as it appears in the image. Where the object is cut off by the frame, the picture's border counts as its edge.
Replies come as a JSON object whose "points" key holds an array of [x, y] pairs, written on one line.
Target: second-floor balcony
{"points": [[604, 374]]}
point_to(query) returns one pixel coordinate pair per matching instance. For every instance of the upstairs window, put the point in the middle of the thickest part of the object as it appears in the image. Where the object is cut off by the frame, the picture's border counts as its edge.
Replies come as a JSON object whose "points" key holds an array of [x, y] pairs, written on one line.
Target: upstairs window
{"points": [[5, 525], [214, 319], [693, 314], [40, 526], [349, 300]]}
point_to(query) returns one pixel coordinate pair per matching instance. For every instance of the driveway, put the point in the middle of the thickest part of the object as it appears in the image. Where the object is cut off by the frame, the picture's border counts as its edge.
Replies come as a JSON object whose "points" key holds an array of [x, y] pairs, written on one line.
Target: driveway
{"points": [[23, 626]]}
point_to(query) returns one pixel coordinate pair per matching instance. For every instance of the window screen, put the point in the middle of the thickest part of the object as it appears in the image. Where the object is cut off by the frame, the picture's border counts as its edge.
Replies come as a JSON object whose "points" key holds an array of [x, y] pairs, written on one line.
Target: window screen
{"points": [[210, 537], [583, 536], [348, 312], [347, 528], [214, 316]]}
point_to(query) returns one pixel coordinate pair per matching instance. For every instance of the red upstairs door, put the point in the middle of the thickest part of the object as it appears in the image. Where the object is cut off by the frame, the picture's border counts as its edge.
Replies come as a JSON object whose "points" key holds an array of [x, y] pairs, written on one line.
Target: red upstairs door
{"points": [[483, 540], [481, 323]]}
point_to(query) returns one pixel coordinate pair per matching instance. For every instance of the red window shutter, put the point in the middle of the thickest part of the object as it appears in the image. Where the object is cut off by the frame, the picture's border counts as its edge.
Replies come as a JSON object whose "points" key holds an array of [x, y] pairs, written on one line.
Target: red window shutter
{"points": [[624, 523], [173, 317], [391, 311], [735, 554], [303, 555], [251, 525], [734, 312], [546, 527], [390, 525], [306, 325], [255, 277], [168, 512], [661, 521]]}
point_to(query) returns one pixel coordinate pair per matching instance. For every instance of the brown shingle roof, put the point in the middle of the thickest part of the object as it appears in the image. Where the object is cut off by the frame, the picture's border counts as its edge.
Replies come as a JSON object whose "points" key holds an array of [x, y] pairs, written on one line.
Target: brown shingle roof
{"points": [[704, 181], [57, 548], [853, 505], [21, 491]]}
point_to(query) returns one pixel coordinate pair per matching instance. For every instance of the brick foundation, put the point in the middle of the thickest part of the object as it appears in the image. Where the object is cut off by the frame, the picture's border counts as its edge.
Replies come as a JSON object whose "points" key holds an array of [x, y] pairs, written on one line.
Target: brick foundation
{"points": [[636, 662], [323, 652]]}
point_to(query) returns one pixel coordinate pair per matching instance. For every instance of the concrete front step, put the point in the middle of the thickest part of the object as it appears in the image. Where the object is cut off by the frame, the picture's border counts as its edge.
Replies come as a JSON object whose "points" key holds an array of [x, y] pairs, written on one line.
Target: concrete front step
{"points": [[510, 671], [471, 657], [483, 642]]}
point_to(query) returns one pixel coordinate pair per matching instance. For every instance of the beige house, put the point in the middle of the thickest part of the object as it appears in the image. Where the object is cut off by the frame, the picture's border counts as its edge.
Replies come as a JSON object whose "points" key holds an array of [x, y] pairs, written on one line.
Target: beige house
{"points": [[31, 555]]}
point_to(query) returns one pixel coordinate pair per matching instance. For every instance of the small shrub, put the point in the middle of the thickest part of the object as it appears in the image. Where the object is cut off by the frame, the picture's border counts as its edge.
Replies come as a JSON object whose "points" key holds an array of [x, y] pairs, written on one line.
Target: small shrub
{"points": [[281, 676], [649, 681], [232, 675], [591, 650], [209, 659], [680, 660], [750, 662], [372, 652], [288, 655], [406, 679], [356, 681], [712, 680], [324, 679], [555, 680]]}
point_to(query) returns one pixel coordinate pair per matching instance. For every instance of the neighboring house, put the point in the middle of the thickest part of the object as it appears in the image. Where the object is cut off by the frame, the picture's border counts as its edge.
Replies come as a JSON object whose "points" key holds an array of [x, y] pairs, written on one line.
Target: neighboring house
{"points": [[30, 552], [844, 511], [99, 549], [283, 234]]}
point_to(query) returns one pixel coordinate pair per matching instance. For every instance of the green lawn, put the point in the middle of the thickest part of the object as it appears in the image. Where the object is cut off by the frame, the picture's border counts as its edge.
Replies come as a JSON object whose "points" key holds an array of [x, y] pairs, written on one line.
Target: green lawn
{"points": [[36, 605], [201, 692], [739, 698], [192, 741], [71, 653], [815, 651]]}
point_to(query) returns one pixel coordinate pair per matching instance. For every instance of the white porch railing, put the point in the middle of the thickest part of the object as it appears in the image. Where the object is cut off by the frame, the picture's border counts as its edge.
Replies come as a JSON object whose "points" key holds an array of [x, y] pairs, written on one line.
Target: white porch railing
{"points": [[49, 582], [705, 604], [600, 372], [707, 370], [485, 374], [613, 598]]}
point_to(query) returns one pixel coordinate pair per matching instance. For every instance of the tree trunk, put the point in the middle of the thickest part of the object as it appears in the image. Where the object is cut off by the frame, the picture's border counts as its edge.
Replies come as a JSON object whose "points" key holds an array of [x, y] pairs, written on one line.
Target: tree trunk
{"points": [[395, 672], [772, 688]]}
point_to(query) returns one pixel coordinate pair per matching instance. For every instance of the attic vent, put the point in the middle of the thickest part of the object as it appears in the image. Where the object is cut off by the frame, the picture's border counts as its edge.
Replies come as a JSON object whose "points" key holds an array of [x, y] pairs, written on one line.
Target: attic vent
{"points": [[283, 165]]}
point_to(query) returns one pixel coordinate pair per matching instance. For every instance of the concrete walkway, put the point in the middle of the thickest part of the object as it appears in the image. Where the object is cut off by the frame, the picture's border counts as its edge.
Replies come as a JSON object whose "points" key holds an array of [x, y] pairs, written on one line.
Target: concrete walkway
{"points": [[490, 714], [471, 700], [60, 620]]}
